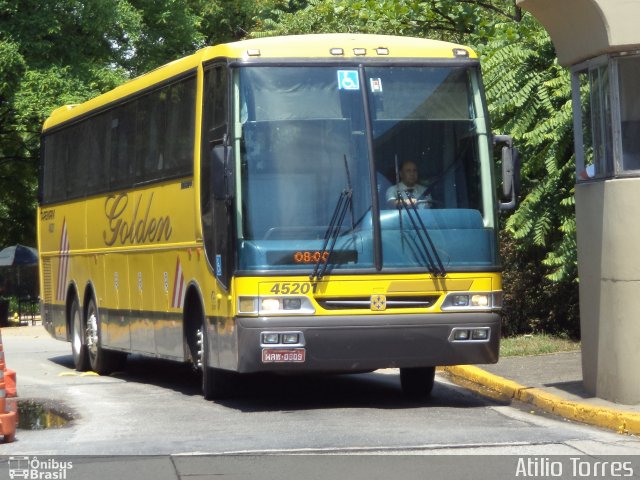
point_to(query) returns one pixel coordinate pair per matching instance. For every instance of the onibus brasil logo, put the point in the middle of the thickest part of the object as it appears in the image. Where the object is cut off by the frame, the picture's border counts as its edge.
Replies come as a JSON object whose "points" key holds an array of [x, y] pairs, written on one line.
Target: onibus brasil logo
{"points": [[37, 469]]}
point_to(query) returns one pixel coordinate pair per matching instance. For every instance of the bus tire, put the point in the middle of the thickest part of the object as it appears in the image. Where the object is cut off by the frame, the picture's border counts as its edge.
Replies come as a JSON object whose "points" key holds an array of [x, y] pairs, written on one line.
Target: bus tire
{"points": [[102, 361], [78, 343], [417, 382], [216, 384]]}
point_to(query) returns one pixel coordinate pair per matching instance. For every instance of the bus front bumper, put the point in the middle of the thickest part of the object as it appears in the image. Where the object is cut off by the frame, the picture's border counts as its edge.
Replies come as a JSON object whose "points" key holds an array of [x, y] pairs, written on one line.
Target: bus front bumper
{"points": [[366, 342]]}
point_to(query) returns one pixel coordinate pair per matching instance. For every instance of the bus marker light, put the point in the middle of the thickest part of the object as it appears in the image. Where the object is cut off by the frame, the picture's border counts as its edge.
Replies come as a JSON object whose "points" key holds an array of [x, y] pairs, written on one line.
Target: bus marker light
{"points": [[247, 305], [382, 51], [253, 52], [336, 51], [460, 52], [359, 51]]}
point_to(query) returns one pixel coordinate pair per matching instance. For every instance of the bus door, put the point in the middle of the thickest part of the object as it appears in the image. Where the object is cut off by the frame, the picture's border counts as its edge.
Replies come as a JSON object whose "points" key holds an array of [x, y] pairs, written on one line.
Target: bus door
{"points": [[217, 187]]}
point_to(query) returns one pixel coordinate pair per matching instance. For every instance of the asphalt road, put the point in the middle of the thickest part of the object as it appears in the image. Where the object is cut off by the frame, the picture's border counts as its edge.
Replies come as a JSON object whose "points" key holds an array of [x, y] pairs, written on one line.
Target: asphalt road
{"points": [[154, 407]]}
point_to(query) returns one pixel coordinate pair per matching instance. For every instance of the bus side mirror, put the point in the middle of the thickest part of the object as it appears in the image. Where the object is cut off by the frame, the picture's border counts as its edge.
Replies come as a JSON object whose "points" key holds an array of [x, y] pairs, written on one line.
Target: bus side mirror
{"points": [[510, 172], [222, 182]]}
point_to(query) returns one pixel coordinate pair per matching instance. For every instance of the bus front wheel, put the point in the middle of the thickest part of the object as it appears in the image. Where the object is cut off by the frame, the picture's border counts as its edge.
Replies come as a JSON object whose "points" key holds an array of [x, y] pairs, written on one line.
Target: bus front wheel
{"points": [[216, 384], [417, 382]]}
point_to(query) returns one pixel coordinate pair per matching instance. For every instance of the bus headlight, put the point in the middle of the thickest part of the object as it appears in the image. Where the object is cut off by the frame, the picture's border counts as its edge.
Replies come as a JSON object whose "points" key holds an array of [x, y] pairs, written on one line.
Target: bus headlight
{"points": [[269, 305], [480, 300], [460, 300], [472, 301], [289, 305]]}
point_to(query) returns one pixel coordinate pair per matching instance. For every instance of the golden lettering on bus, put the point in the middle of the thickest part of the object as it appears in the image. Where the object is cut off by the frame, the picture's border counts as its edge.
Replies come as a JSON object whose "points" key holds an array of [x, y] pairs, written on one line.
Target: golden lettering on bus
{"points": [[134, 227]]}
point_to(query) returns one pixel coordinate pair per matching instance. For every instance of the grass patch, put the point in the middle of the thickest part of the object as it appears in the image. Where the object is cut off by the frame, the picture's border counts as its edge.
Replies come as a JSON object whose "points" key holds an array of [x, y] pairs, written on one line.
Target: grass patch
{"points": [[537, 344]]}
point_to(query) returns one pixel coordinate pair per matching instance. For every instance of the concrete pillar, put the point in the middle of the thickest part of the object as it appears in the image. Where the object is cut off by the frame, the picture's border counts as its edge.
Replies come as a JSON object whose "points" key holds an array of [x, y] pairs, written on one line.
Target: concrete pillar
{"points": [[591, 37], [609, 268]]}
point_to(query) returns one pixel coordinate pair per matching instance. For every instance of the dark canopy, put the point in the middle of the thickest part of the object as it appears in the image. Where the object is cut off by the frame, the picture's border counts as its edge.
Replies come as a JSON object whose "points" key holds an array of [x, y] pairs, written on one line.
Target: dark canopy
{"points": [[18, 255]]}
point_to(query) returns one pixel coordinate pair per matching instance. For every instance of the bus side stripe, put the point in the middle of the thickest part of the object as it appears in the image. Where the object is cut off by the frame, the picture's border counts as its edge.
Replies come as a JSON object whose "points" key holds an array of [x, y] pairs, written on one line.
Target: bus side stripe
{"points": [[64, 261], [179, 290]]}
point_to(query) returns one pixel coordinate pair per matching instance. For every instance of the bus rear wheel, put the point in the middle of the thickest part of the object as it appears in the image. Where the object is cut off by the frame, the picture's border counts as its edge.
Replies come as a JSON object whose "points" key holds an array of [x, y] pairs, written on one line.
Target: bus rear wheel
{"points": [[102, 361], [417, 382], [78, 344]]}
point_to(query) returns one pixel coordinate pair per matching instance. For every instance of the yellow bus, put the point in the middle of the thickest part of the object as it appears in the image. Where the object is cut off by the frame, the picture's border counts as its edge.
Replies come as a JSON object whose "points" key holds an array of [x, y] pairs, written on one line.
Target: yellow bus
{"points": [[317, 203]]}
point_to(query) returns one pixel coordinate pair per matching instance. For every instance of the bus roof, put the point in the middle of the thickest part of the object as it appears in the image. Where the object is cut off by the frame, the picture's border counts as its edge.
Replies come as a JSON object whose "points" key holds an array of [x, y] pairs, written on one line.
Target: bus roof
{"points": [[316, 46]]}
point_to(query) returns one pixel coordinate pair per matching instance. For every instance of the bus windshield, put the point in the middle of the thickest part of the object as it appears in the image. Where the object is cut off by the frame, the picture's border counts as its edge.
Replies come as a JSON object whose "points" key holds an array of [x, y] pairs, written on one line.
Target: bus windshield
{"points": [[408, 144]]}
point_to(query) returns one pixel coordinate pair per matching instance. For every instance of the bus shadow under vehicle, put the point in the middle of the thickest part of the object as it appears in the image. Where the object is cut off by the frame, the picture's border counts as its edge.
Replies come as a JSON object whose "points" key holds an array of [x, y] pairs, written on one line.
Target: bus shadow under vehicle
{"points": [[272, 392]]}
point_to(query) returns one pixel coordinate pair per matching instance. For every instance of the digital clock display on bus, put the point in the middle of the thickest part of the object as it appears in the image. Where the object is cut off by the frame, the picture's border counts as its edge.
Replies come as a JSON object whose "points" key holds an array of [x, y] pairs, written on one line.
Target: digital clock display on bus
{"points": [[311, 257]]}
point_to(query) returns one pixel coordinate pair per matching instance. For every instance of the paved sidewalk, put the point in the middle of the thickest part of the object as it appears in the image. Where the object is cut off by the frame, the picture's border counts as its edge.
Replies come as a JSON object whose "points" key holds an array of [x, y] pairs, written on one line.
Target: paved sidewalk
{"points": [[554, 384]]}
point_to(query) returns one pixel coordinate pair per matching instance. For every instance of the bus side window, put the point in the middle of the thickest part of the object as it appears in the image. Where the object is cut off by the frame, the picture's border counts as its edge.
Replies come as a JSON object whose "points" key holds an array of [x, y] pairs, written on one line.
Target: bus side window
{"points": [[123, 129]]}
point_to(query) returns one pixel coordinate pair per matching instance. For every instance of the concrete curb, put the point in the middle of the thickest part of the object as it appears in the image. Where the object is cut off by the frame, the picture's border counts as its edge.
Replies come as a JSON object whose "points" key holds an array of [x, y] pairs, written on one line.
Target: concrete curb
{"points": [[613, 419]]}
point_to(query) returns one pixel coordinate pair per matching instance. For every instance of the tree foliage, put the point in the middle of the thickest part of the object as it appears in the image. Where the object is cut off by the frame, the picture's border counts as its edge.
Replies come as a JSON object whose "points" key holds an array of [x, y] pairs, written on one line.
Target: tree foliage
{"points": [[66, 51], [453, 20], [529, 96], [532, 101]]}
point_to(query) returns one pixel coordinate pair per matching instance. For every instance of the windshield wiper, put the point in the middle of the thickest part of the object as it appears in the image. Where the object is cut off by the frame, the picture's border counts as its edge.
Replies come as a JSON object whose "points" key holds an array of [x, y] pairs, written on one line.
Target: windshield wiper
{"points": [[434, 261], [403, 200], [333, 230]]}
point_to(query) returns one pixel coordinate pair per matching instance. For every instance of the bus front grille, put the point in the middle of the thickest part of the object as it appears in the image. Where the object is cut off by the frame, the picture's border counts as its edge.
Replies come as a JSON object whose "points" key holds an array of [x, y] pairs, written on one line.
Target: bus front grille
{"points": [[364, 303]]}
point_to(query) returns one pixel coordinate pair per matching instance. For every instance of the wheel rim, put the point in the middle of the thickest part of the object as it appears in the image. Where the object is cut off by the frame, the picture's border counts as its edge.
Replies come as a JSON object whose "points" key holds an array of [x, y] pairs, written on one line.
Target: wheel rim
{"points": [[200, 348], [92, 334], [77, 333]]}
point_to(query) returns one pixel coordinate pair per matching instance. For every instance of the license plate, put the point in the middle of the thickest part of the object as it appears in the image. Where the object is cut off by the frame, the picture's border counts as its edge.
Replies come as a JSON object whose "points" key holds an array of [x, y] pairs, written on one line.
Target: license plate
{"points": [[283, 355]]}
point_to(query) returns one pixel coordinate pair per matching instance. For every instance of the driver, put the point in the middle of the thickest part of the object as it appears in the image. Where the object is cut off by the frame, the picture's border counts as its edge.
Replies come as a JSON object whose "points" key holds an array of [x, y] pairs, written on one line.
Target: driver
{"points": [[409, 187]]}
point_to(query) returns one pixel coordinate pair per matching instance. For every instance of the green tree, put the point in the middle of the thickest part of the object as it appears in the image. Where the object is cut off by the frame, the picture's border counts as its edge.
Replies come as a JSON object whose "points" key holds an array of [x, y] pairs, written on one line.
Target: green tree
{"points": [[16, 169], [532, 101], [453, 20], [66, 51], [529, 96], [53, 53]]}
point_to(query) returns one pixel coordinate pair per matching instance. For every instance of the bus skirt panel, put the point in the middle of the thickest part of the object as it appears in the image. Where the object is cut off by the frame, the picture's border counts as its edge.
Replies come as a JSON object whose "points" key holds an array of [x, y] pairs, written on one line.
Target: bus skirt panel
{"points": [[366, 342]]}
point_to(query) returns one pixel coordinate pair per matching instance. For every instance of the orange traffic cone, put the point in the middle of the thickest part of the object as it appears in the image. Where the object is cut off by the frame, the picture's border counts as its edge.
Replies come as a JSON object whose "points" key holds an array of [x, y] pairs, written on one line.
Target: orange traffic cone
{"points": [[8, 416]]}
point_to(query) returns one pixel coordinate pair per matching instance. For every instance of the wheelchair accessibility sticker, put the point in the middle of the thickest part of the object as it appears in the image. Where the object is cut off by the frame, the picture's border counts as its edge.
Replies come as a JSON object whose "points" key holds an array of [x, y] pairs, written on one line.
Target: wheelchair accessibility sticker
{"points": [[348, 80]]}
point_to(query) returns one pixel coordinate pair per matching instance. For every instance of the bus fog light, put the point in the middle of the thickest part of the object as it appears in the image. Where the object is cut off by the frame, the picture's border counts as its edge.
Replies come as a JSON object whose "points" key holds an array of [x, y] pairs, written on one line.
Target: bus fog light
{"points": [[461, 335], [460, 300], [480, 334], [270, 338], [270, 304], [291, 303], [290, 338], [480, 300]]}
